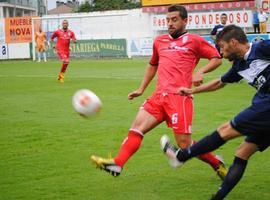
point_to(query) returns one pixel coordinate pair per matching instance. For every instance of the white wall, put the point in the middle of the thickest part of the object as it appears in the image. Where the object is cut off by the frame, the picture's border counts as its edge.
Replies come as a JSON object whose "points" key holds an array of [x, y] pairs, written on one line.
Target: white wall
{"points": [[18, 51], [104, 25]]}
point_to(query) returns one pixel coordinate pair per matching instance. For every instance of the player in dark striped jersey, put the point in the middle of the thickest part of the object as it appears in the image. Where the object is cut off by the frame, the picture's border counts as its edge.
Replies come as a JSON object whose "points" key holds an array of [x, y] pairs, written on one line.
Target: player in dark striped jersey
{"points": [[252, 63], [219, 27]]}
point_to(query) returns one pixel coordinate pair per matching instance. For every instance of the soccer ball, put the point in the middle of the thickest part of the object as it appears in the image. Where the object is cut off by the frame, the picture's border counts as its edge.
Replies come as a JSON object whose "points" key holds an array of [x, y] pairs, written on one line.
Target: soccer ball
{"points": [[86, 103]]}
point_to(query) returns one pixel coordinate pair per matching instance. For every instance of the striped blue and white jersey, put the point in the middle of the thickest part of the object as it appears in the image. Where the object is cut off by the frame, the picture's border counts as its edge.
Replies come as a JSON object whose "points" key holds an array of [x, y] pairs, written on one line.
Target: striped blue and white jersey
{"points": [[254, 68], [217, 29]]}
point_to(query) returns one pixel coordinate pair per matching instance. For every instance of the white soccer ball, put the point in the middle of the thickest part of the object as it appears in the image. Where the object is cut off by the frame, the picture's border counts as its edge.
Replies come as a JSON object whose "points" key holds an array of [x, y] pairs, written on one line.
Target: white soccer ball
{"points": [[86, 102]]}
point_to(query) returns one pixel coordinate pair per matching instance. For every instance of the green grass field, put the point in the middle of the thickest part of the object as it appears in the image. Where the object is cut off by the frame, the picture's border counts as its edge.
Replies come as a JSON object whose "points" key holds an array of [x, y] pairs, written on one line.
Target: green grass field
{"points": [[45, 146]]}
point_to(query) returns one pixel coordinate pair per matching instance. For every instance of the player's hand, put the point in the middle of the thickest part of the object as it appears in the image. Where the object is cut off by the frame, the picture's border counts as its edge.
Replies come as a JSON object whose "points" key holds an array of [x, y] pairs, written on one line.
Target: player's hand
{"points": [[53, 46], [185, 91], [197, 79], [134, 94]]}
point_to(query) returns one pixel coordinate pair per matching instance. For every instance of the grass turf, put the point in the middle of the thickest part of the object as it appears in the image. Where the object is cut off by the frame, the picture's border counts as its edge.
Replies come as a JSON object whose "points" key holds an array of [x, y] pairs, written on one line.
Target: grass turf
{"points": [[45, 146]]}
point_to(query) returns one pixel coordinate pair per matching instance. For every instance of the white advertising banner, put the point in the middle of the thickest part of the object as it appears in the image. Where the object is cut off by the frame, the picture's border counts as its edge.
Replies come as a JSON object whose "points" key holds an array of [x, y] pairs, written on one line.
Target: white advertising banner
{"points": [[3, 51], [207, 20], [2, 31], [141, 46], [18, 51]]}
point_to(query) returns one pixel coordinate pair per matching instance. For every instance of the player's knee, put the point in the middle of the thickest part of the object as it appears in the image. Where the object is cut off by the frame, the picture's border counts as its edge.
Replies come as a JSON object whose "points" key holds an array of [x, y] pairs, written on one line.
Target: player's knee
{"points": [[183, 141], [240, 153], [226, 131], [246, 150], [183, 144]]}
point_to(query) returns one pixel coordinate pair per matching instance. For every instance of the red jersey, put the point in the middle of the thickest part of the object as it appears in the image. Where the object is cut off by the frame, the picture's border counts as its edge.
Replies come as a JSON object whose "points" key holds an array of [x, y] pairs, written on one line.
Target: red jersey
{"points": [[63, 39], [176, 60]]}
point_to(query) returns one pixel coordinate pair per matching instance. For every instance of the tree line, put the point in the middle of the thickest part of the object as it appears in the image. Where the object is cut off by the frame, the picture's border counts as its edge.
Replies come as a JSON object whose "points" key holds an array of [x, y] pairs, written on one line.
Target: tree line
{"points": [[103, 5]]}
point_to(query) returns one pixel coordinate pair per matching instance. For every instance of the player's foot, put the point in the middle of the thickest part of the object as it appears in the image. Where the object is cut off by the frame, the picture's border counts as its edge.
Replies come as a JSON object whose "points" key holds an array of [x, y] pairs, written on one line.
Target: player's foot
{"points": [[61, 77], [170, 151], [221, 170], [45, 60], [38, 61], [107, 164]]}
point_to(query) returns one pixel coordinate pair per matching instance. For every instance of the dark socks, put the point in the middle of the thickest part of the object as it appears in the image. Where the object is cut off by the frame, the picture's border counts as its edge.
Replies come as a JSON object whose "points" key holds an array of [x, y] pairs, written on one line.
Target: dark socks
{"points": [[205, 145], [234, 175]]}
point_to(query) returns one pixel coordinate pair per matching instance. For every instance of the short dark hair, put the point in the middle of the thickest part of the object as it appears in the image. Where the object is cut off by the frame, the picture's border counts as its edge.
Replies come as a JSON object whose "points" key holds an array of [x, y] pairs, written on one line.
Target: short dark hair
{"points": [[232, 32], [181, 9], [223, 14]]}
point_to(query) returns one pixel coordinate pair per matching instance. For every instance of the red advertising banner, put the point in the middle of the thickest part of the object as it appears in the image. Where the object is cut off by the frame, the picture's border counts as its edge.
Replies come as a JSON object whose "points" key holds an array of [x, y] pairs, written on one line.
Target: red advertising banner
{"points": [[205, 6], [166, 2]]}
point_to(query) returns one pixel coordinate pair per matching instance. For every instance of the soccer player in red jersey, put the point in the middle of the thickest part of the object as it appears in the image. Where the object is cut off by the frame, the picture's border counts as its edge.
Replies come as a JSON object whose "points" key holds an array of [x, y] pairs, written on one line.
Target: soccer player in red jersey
{"points": [[63, 36], [175, 56]]}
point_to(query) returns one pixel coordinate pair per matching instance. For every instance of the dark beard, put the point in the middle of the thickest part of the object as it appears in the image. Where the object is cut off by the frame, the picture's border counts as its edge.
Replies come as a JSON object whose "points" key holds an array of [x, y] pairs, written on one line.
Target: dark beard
{"points": [[233, 57], [177, 34]]}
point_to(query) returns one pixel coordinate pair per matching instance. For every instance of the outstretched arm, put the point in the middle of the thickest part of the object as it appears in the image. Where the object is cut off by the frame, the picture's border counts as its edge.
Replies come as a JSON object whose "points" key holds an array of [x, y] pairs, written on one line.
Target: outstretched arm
{"points": [[149, 74], [210, 66], [207, 87]]}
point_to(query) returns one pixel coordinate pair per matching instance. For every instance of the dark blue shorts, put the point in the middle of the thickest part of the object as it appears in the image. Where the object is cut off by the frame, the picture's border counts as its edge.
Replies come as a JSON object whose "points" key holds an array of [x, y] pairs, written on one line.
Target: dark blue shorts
{"points": [[254, 122]]}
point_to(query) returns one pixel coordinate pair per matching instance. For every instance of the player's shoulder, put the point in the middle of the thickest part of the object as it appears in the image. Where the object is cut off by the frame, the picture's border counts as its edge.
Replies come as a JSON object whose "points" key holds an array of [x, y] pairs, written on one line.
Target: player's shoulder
{"points": [[262, 43], [259, 48], [163, 37], [195, 37], [219, 25], [71, 31], [57, 31]]}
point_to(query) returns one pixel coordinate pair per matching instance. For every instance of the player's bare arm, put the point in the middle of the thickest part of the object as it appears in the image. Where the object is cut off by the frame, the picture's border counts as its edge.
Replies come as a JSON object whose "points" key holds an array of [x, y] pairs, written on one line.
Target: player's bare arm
{"points": [[207, 87], [149, 74], [52, 40], [213, 37], [197, 78]]}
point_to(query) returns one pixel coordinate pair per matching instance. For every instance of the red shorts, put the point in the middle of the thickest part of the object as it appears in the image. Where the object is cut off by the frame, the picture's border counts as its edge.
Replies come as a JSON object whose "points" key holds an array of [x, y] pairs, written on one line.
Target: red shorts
{"points": [[63, 56], [175, 109]]}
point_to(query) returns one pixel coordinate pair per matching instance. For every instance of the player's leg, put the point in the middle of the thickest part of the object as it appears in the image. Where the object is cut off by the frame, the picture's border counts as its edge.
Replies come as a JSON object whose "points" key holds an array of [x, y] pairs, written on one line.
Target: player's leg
{"points": [[180, 114], [64, 57], [185, 140], [209, 143], [237, 169], [144, 122], [39, 54], [252, 120], [44, 52], [253, 143], [44, 56], [205, 145]]}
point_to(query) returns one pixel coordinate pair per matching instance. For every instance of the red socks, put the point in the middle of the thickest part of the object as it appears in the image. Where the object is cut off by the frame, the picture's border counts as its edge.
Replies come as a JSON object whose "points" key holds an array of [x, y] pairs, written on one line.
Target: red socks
{"points": [[209, 158], [129, 146], [64, 67]]}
